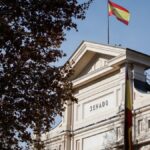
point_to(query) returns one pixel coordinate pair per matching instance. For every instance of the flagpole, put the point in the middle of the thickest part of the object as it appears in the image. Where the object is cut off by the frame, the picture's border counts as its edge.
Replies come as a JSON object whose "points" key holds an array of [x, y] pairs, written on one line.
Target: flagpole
{"points": [[128, 145], [107, 22], [125, 130]]}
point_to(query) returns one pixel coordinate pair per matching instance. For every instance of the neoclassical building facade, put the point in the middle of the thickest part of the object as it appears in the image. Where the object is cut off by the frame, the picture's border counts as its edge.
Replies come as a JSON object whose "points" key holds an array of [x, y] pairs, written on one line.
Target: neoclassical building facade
{"points": [[96, 122]]}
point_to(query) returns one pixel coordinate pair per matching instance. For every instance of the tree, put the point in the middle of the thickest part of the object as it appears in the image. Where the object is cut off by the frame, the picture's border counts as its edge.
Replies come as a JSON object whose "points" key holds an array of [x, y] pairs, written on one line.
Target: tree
{"points": [[32, 90]]}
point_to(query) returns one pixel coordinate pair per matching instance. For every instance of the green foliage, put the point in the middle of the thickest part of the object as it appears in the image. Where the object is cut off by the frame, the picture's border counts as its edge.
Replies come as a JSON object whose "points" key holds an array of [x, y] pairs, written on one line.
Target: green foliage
{"points": [[32, 90]]}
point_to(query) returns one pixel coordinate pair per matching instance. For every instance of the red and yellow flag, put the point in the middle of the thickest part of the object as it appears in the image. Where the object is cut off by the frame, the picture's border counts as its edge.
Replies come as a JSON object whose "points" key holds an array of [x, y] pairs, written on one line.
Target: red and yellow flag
{"points": [[128, 114], [120, 12]]}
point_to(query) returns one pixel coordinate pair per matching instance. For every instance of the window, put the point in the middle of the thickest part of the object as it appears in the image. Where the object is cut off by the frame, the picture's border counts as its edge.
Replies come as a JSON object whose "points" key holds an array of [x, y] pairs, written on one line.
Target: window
{"points": [[118, 133], [149, 124], [140, 127], [77, 145], [59, 147]]}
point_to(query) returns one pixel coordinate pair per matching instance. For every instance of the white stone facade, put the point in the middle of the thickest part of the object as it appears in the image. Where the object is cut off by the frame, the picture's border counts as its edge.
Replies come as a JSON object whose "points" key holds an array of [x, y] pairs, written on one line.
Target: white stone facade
{"points": [[96, 122]]}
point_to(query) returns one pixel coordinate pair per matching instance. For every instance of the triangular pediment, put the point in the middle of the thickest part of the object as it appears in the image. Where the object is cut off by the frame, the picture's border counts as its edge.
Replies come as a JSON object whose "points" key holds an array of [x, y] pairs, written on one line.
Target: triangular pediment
{"points": [[90, 57], [98, 61]]}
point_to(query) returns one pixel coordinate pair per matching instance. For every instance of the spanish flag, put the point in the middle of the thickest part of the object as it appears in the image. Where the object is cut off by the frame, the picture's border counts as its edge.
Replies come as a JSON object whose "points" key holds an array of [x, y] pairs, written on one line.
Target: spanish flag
{"points": [[128, 145], [120, 12]]}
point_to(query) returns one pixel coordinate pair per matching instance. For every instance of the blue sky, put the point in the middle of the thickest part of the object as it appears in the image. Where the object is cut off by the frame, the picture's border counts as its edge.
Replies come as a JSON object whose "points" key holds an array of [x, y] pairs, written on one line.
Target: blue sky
{"points": [[94, 28]]}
